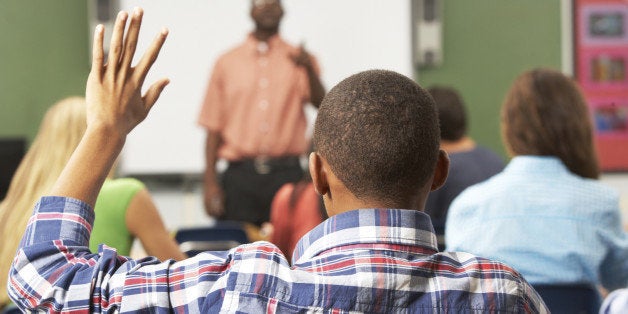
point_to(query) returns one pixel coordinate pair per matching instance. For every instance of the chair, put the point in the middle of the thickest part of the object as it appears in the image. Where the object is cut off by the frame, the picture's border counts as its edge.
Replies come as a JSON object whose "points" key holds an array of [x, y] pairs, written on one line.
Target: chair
{"points": [[10, 309], [565, 298], [12, 151], [224, 235]]}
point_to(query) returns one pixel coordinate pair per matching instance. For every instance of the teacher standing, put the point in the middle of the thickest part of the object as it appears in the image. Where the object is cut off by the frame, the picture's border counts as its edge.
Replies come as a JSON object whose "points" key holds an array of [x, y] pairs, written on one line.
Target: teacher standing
{"points": [[253, 112]]}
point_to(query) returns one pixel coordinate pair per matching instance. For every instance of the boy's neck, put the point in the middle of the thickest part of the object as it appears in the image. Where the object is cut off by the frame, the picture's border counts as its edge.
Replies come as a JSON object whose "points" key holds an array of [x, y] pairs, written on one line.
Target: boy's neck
{"points": [[462, 145]]}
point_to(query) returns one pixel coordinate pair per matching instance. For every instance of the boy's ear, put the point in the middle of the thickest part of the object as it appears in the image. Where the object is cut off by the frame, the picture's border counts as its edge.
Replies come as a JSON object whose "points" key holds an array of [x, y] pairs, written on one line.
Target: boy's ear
{"points": [[318, 173], [441, 171]]}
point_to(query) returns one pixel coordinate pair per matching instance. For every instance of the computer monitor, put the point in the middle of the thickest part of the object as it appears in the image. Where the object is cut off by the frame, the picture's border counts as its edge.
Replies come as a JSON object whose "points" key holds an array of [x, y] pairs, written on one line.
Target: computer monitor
{"points": [[12, 151]]}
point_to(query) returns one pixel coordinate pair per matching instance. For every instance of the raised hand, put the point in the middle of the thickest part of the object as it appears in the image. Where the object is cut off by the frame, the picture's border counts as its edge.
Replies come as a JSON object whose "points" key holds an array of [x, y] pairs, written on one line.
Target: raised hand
{"points": [[115, 105], [113, 91], [317, 90]]}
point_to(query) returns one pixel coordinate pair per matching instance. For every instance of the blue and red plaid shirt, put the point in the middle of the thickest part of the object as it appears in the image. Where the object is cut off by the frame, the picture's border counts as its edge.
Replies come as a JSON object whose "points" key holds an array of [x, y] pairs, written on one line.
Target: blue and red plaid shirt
{"points": [[368, 260]]}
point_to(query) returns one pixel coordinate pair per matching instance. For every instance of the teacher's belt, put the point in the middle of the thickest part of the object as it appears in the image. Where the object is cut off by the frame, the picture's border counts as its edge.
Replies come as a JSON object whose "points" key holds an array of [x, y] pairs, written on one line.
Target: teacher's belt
{"points": [[266, 165]]}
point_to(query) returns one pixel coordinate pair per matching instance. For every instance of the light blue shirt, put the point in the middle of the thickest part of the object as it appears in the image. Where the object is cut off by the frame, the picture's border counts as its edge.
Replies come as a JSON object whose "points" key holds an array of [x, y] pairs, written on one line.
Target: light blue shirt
{"points": [[546, 222]]}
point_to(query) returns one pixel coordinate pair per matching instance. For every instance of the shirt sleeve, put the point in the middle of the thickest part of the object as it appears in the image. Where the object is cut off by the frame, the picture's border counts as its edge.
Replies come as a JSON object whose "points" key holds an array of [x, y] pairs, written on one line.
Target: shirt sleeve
{"points": [[212, 110], [614, 268], [307, 93], [532, 301], [55, 271]]}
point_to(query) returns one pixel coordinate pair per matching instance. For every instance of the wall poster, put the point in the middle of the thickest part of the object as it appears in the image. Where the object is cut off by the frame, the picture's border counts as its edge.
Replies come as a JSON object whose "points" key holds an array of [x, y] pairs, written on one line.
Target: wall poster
{"points": [[601, 57]]}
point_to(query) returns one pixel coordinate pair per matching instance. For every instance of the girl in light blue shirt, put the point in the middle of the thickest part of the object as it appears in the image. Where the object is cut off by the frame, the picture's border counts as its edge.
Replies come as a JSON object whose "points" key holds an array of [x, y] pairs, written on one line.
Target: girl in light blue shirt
{"points": [[545, 214]]}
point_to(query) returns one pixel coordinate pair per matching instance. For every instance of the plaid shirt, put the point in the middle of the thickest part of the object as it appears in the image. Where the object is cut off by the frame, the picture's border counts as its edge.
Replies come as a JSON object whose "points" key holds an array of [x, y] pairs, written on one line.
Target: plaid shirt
{"points": [[368, 260]]}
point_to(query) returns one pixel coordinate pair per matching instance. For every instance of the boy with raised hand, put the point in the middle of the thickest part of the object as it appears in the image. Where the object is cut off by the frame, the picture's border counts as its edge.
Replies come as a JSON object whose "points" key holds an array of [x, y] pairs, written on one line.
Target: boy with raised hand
{"points": [[377, 139]]}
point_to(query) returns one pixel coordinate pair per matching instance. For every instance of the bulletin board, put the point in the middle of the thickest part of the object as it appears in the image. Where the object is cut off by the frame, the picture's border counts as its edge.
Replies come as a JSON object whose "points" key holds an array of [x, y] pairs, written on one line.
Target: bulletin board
{"points": [[601, 57]]}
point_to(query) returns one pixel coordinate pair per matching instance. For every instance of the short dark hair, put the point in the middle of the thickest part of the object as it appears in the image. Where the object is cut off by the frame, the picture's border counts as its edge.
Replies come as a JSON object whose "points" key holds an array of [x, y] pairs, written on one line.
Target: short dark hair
{"points": [[545, 114], [253, 2], [452, 115], [378, 130]]}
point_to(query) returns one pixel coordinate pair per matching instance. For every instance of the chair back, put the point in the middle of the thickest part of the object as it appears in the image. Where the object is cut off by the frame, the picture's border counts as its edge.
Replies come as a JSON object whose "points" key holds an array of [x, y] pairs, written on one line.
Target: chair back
{"points": [[224, 235], [570, 298], [10, 309]]}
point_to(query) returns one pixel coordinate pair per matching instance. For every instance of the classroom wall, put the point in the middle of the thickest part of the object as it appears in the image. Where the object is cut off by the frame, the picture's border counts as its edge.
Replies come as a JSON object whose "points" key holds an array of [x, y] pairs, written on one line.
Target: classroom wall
{"points": [[346, 36], [486, 44], [43, 58]]}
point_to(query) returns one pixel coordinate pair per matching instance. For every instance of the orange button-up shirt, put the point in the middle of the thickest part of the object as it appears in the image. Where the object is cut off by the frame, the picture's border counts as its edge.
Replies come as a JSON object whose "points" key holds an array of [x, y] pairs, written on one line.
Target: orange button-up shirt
{"points": [[255, 99]]}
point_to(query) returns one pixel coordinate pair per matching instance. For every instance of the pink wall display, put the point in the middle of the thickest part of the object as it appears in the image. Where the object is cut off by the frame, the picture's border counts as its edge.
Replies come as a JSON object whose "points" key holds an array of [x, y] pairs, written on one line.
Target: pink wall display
{"points": [[601, 57]]}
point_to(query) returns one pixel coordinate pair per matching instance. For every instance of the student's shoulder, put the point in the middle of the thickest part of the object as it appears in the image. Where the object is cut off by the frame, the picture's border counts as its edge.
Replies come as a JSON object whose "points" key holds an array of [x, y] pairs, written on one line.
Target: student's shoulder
{"points": [[489, 155], [484, 272], [285, 190], [123, 184], [260, 255], [475, 265], [597, 188]]}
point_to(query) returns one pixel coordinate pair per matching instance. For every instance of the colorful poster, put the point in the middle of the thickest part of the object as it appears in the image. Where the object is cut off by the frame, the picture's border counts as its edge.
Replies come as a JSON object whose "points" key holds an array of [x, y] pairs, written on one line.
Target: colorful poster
{"points": [[601, 56]]}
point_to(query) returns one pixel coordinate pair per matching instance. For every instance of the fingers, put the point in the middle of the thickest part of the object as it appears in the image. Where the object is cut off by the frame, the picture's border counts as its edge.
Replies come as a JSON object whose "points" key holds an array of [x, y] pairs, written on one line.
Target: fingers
{"points": [[132, 34], [97, 51], [150, 56], [114, 90], [153, 92], [115, 48]]}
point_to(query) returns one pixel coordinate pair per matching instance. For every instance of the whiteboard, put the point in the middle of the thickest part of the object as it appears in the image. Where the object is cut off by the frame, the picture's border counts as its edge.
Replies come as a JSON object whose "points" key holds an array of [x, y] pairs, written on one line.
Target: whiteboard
{"points": [[346, 36]]}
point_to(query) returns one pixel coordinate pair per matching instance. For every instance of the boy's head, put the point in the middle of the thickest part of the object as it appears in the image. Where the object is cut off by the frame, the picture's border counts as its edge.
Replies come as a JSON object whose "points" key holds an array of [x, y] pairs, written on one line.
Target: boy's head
{"points": [[378, 133], [452, 115]]}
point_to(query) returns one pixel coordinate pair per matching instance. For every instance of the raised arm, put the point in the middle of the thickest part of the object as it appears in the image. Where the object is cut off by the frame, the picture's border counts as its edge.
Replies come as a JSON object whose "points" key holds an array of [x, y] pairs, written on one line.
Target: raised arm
{"points": [[115, 106], [54, 270], [317, 90]]}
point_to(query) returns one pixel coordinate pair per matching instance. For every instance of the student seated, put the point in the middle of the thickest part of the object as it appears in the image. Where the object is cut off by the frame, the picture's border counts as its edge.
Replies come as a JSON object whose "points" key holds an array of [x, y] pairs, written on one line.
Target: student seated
{"points": [[377, 152], [124, 207], [295, 210], [545, 214], [470, 163]]}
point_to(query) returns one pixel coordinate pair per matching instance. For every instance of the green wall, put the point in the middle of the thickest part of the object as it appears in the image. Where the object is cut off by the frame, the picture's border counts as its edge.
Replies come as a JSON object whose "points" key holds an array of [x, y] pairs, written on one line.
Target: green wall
{"points": [[44, 56], [486, 44]]}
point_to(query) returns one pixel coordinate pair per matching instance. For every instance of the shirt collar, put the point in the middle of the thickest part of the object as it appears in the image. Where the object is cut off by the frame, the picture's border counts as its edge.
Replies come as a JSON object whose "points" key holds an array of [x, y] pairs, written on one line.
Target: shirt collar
{"points": [[536, 164], [272, 42], [410, 229]]}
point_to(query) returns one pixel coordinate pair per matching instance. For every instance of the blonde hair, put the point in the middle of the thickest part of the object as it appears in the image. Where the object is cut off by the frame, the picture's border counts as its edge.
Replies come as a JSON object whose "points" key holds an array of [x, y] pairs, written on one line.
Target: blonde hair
{"points": [[60, 131]]}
